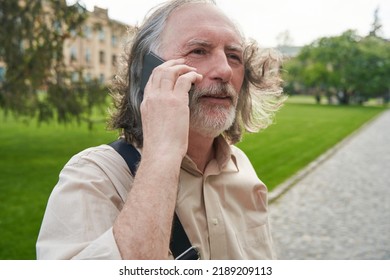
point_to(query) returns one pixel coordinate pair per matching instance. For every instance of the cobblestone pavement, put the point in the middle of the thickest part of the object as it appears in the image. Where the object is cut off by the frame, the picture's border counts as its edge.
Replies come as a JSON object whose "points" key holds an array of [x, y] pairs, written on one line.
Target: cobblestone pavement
{"points": [[341, 209]]}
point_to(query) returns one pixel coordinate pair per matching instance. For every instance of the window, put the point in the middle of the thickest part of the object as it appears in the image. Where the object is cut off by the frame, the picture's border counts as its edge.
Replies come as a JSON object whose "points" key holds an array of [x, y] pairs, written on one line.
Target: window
{"points": [[101, 78], [101, 34], [87, 32], [75, 76], [57, 27], [101, 57], [87, 55], [87, 77], [73, 32], [114, 60], [113, 40], [73, 54]]}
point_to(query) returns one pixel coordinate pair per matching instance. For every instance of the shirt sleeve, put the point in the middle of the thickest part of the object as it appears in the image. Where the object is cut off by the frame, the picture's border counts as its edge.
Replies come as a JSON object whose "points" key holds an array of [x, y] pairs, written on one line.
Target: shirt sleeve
{"points": [[103, 248], [81, 212]]}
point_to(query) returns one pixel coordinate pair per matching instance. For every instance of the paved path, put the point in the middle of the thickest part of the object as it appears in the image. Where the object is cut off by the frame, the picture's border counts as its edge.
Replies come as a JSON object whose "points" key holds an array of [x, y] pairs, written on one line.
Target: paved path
{"points": [[341, 209]]}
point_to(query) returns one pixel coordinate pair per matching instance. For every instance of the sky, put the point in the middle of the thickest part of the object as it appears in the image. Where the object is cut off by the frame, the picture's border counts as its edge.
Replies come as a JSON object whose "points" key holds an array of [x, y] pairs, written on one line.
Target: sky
{"points": [[304, 20]]}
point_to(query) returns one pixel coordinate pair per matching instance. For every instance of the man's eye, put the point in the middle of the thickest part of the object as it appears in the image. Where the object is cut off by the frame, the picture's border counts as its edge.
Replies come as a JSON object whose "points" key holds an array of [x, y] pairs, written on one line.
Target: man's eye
{"points": [[198, 51], [234, 57]]}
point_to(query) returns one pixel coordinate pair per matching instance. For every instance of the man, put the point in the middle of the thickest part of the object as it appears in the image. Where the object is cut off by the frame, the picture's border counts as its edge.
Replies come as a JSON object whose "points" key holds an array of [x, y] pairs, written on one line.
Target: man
{"points": [[193, 106]]}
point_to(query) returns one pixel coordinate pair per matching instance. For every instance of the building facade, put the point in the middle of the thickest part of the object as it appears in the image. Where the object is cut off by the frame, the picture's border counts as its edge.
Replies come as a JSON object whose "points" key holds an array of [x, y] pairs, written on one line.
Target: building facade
{"points": [[95, 54]]}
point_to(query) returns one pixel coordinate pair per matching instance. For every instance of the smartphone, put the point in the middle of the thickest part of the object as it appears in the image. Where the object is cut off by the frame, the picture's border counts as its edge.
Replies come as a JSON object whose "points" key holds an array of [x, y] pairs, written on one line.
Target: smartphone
{"points": [[191, 253], [150, 62]]}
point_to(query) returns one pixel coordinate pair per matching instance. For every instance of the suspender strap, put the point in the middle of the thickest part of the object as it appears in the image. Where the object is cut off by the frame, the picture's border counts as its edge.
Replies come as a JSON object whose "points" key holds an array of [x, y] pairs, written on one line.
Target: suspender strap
{"points": [[179, 240]]}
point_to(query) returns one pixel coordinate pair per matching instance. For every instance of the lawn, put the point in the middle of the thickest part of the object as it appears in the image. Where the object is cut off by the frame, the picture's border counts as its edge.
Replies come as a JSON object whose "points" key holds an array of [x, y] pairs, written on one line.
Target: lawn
{"points": [[31, 157], [30, 160]]}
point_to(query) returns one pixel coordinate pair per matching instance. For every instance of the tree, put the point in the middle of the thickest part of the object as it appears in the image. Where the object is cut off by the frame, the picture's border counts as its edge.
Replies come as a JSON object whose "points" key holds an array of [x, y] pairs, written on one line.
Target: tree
{"points": [[346, 66], [376, 26], [284, 39], [32, 35], [372, 78]]}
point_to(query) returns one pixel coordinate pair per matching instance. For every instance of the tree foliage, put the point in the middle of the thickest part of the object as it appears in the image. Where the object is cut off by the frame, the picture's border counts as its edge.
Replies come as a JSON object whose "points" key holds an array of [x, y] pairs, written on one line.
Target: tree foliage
{"points": [[348, 66], [32, 35]]}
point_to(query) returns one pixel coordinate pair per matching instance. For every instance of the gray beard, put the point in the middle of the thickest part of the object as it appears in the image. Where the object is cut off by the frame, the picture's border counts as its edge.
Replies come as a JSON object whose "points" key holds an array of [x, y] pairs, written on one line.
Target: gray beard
{"points": [[211, 120]]}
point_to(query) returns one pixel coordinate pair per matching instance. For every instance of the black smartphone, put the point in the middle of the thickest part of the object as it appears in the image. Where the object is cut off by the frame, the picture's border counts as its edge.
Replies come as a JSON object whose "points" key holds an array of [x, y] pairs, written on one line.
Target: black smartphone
{"points": [[150, 62], [191, 253]]}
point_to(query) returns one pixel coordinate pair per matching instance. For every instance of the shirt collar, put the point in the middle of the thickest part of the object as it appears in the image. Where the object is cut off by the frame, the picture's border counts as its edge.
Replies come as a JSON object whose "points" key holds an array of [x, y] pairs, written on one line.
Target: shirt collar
{"points": [[224, 159]]}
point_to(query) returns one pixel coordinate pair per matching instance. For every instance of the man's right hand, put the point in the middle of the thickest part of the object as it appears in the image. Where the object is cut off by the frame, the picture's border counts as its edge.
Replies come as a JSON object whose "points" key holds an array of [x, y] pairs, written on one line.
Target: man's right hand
{"points": [[164, 110], [143, 228]]}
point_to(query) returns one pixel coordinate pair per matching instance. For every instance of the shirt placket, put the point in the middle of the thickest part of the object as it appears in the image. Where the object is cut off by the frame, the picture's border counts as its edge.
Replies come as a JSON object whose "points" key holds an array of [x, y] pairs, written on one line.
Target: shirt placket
{"points": [[215, 222]]}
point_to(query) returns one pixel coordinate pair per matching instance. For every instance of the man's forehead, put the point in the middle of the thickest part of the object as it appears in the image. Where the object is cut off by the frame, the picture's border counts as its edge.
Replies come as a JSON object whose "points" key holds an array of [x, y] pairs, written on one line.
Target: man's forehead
{"points": [[198, 22], [197, 13]]}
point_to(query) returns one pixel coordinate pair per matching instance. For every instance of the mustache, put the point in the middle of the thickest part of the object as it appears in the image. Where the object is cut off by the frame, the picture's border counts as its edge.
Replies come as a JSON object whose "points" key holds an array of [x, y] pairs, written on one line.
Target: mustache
{"points": [[219, 90]]}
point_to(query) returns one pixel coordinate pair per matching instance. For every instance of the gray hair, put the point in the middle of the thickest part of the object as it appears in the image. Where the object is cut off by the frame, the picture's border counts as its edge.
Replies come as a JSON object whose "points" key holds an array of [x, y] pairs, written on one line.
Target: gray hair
{"points": [[259, 99]]}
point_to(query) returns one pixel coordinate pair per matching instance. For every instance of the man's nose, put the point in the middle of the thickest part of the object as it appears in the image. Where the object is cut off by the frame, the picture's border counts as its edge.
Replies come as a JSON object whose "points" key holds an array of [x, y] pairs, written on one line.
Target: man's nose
{"points": [[220, 68]]}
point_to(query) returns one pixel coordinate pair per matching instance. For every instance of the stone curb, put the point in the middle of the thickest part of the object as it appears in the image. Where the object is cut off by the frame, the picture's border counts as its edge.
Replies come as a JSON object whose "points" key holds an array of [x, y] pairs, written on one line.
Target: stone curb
{"points": [[294, 179]]}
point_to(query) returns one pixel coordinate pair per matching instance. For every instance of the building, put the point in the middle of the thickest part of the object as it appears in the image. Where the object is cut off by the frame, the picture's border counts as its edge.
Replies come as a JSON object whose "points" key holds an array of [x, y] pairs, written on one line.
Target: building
{"points": [[96, 53]]}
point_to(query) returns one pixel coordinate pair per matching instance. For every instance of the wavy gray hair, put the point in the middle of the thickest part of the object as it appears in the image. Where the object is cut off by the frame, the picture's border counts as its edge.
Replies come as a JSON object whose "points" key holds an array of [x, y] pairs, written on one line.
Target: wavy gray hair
{"points": [[260, 97]]}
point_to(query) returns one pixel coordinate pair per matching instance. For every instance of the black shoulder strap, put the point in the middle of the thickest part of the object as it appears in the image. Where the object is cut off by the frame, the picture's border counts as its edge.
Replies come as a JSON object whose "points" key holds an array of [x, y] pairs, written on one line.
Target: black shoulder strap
{"points": [[179, 241], [128, 152]]}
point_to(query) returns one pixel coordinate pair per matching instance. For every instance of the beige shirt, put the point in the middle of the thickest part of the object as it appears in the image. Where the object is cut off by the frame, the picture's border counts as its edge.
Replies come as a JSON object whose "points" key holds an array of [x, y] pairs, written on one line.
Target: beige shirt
{"points": [[223, 211]]}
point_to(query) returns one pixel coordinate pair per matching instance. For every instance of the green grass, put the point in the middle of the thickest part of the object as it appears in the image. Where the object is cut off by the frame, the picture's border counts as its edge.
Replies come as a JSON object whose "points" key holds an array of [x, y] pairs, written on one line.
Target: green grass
{"points": [[31, 158]]}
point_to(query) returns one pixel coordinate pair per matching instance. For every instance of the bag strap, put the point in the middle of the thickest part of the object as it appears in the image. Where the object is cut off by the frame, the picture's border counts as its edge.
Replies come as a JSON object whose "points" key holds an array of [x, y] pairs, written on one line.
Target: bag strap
{"points": [[179, 241], [128, 152]]}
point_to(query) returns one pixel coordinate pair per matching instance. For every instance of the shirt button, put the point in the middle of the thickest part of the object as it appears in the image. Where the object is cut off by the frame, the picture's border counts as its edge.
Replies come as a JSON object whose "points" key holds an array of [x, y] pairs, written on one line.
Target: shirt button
{"points": [[215, 221]]}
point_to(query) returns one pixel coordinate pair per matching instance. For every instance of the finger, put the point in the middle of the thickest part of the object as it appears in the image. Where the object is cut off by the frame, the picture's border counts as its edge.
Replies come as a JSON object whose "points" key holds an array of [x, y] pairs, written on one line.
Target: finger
{"points": [[164, 78], [152, 86], [170, 75], [173, 62], [185, 81]]}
